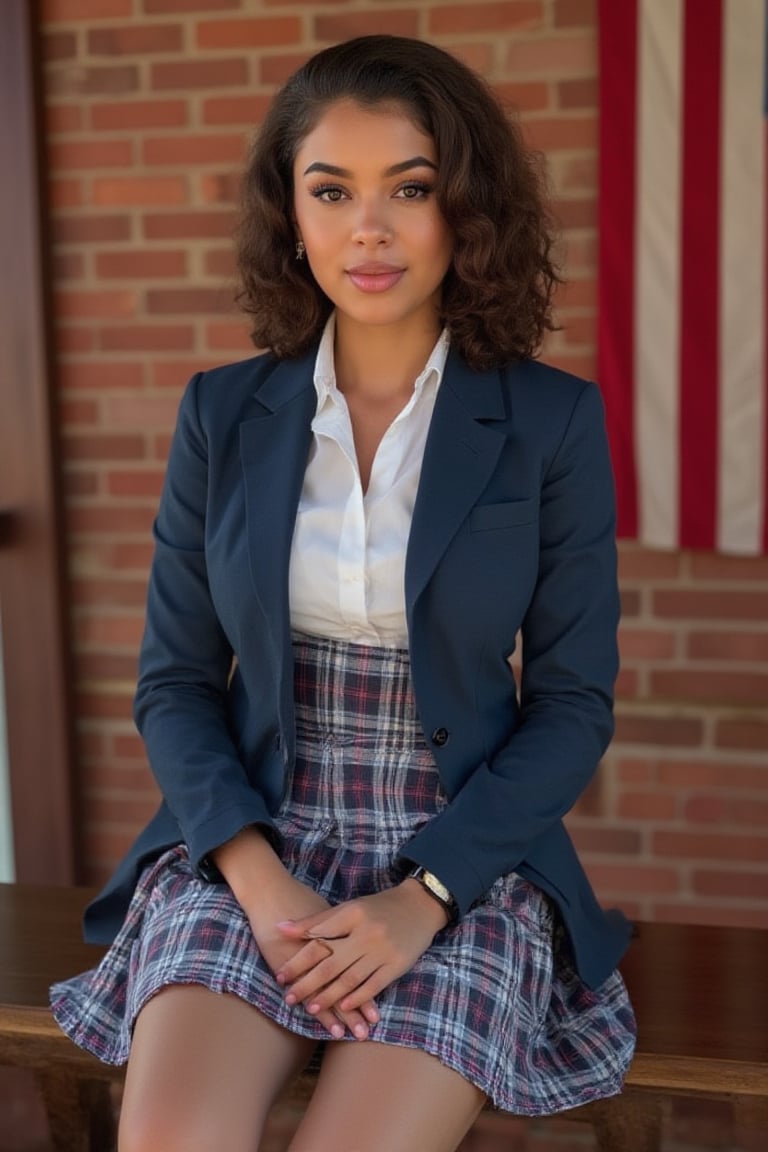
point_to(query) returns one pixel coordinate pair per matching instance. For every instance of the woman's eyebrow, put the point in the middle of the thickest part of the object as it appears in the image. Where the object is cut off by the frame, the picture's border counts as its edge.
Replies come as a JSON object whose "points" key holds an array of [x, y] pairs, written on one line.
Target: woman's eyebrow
{"points": [[395, 170]]}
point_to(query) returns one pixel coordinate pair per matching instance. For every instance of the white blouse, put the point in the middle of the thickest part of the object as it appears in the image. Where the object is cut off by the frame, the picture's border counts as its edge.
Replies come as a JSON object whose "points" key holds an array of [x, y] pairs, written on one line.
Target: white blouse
{"points": [[347, 574]]}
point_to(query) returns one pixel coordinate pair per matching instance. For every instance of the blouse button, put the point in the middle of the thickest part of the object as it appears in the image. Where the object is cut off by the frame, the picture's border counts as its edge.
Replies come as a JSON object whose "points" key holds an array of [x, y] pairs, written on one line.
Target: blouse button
{"points": [[440, 737]]}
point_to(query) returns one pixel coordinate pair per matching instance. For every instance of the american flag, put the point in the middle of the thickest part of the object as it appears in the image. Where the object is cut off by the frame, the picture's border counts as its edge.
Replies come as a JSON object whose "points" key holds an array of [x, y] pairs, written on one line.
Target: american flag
{"points": [[683, 269]]}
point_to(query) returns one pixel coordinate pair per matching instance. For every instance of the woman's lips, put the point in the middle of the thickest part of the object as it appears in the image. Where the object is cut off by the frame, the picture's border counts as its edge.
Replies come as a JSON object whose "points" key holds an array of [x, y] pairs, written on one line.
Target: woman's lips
{"points": [[375, 281]]}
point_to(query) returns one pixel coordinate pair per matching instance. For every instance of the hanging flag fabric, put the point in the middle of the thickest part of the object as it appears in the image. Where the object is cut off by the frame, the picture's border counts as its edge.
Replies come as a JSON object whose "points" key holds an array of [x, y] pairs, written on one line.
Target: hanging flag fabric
{"points": [[682, 276]]}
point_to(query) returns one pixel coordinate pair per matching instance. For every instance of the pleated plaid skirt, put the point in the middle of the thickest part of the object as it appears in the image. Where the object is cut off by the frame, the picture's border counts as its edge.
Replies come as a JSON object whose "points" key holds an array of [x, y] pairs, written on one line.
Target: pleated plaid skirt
{"points": [[494, 997]]}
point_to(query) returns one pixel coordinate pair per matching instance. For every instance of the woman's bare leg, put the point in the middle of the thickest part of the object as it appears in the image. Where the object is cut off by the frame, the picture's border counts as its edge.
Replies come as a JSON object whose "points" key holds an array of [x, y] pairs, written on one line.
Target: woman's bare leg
{"points": [[203, 1072], [380, 1098]]}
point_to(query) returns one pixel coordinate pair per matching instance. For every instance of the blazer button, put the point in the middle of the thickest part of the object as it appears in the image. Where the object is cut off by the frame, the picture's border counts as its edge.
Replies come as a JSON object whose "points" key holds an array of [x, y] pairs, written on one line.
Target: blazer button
{"points": [[440, 737]]}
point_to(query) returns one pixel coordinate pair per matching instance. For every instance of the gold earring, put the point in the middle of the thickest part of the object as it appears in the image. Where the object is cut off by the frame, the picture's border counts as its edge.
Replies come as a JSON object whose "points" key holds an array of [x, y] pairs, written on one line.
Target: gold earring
{"points": [[300, 249]]}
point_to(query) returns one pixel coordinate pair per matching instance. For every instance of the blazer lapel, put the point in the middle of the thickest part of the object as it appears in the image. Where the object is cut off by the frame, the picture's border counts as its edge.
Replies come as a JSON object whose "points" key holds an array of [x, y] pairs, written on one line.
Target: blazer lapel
{"points": [[273, 447], [459, 459]]}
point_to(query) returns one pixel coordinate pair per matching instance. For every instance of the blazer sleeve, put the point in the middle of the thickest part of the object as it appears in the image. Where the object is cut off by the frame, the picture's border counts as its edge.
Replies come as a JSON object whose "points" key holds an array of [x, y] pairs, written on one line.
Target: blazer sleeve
{"points": [[570, 662], [185, 664]]}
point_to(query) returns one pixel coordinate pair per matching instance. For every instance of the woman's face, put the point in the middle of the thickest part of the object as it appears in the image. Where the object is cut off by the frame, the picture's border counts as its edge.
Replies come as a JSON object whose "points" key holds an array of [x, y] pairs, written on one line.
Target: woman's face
{"points": [[366, 211]]}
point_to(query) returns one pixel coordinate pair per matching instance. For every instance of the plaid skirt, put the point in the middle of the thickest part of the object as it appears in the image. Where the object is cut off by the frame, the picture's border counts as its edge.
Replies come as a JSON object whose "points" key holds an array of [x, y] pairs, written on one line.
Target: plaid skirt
{"points": [[494, 997]]}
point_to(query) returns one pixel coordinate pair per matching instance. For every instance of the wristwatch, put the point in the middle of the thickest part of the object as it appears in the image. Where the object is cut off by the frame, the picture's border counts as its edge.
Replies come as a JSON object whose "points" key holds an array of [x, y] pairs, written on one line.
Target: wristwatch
{"points": [[436, 889]]}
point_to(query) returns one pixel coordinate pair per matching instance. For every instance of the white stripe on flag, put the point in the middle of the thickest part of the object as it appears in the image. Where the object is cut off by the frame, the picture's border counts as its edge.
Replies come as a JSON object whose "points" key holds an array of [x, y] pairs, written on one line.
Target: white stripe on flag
{"points": [[657, 320], [742, 302]]}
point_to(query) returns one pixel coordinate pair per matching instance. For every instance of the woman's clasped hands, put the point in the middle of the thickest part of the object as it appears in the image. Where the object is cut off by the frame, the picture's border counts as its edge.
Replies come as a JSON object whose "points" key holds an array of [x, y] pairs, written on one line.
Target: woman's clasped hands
{"points": [[353, 951]]}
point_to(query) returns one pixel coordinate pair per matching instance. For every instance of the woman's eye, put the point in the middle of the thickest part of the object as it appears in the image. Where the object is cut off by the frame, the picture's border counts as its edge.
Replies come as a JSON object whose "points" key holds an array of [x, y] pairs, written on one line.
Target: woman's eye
{"points": [[329, 193], [414, 191]]}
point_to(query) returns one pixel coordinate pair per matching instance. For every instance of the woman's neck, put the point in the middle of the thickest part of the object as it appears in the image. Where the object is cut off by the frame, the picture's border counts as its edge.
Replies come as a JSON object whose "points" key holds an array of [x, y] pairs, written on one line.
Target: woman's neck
{"points": [[380, 361]]}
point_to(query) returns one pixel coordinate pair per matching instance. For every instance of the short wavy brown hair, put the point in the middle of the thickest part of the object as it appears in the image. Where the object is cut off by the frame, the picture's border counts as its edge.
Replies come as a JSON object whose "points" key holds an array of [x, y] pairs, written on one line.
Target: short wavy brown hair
{"points": [[497, 293]]}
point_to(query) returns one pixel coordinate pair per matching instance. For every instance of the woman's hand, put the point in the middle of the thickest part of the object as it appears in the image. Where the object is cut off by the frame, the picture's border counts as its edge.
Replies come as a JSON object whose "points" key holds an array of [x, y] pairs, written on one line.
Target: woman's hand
{"points": [[267, 893], [296, 901], [372, 941]]}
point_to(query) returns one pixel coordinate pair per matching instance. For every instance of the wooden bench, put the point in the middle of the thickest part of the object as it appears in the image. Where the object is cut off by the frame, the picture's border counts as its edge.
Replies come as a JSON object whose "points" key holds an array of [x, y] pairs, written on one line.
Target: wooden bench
{"points": [[700, 994]]}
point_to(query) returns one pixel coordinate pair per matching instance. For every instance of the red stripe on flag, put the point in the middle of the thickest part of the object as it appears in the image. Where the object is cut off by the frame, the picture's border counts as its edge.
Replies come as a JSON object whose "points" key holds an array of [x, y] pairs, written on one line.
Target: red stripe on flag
{"points": [[700, 314], [616, 355]]}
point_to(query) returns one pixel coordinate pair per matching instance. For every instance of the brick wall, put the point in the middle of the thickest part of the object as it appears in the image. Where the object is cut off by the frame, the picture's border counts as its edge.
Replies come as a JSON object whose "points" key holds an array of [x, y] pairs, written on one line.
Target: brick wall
{"points": [[150, 104]]}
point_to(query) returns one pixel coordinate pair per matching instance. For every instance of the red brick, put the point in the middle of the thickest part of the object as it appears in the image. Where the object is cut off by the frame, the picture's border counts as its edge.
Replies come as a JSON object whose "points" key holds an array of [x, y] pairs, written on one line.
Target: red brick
{"points": [[73, 305], [723, 569], [203, 301], [174, 374], [67, 266], [724, 809], [229, 338], [250, 33], [141, 264], [93, 81], [742, 885], [476, 55], [582, 93], [710, 687], [578, 330], [103, 446], [578, 174], [208, 225], [559, 133], [710, 846], [705, 774], [100, 518], [65, 193], [110, 631], [677, 731], [194, 149], [130, 114], [646, 644], [705, 604], [637, 563], [69, 338], [332, 27], [578, 292], [249, 109], [163, 7], [743, 732], [62, 118], [276, 69], [199, 73], [55, 11], [728, 645], [135, 483], [647, 879], [220, 187], [139, 190], [576, 213], [575, 13], [627, 683], [147, 338], [562, 56], [687, 913], [94, 705], [141, 410], [135, 40], [104, 666], [503, 16], [132, 554], [100, 375], [530, 97], [646, 806], [577, 363], [631, 603], [77, 412], [91, 229], [59, 46], [220, 262], [620, 841], [634, 771], [90, 154], [80, 484]]}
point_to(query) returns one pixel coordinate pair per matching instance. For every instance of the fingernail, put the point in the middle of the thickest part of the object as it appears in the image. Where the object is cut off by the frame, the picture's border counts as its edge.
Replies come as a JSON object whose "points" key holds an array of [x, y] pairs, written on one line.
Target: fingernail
{"points": [[360, 1031], [280, 978], [337, 1031], [313, 1008], [290, 999]]}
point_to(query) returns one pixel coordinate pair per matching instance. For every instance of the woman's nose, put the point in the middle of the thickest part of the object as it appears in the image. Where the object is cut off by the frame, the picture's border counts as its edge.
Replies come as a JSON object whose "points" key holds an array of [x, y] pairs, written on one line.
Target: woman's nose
{"points": [[372, 225]]}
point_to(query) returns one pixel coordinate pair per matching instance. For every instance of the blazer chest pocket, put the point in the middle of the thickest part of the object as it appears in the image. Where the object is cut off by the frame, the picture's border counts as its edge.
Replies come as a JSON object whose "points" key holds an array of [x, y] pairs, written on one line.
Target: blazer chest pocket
{"points": [[510, 514]]}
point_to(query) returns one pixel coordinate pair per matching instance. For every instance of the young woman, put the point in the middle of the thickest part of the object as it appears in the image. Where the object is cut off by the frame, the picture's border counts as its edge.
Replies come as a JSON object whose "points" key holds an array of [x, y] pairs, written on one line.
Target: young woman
{"points": [[361, 836]]}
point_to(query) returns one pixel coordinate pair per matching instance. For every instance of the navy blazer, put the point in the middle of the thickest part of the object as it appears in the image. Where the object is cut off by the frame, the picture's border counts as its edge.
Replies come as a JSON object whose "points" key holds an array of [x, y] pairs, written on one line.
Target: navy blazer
{"points": [[512, 532]]}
